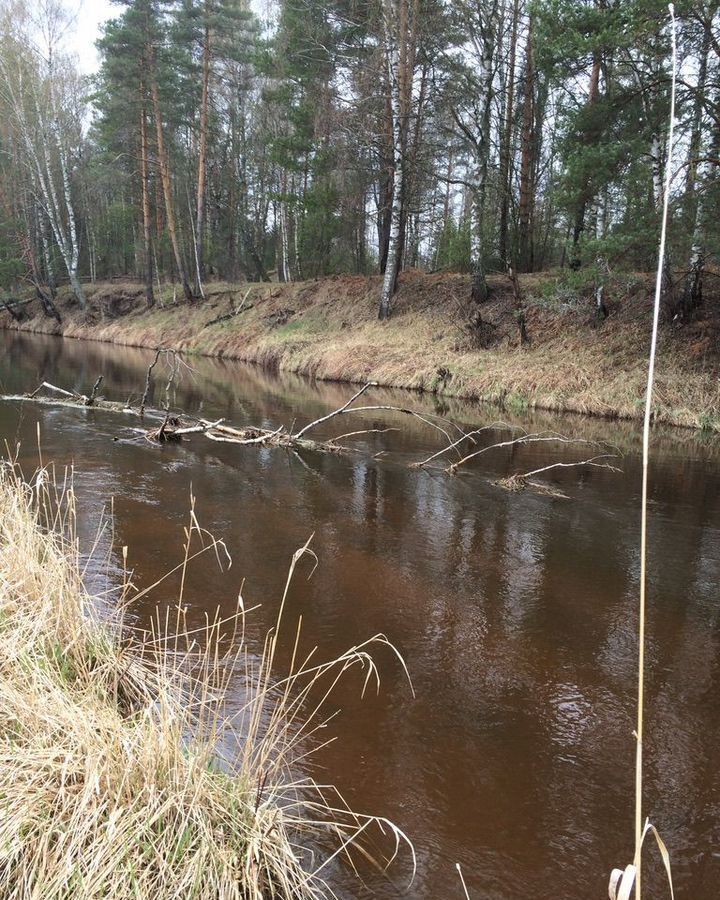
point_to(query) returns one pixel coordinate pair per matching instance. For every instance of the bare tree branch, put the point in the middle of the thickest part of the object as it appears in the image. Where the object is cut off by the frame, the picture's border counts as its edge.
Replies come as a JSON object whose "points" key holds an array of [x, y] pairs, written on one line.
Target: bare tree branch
{"points": [[537, 438], [337, 412]]}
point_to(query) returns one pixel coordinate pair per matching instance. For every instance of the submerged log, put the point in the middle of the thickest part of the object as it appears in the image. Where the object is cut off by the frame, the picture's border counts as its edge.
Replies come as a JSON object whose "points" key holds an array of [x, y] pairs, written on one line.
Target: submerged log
{"points": [[178, 427], [78, 399]]}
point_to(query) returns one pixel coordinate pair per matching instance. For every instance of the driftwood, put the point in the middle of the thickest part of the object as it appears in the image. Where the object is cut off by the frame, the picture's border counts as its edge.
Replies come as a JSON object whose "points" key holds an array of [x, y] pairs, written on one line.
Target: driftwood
{"points": [[538, 438], [521, 480], [346, 409], [470, 435], [282, 437], [172, 430], [148, 377], [72, 396], [178, 427]]}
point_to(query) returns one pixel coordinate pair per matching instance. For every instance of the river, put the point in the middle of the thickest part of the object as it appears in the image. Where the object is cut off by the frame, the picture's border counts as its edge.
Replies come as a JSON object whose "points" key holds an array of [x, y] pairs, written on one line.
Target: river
{"points": [[515, 612]]}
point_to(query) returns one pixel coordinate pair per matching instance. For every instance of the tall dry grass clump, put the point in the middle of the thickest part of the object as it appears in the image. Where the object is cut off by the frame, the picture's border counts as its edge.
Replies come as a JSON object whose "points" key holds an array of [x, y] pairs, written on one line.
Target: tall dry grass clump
{"points": [[113, 783]]}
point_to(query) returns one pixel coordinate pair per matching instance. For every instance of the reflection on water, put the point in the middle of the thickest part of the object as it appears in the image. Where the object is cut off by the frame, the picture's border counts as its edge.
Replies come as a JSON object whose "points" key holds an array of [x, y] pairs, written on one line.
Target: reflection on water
{"points": [[515, 614]]}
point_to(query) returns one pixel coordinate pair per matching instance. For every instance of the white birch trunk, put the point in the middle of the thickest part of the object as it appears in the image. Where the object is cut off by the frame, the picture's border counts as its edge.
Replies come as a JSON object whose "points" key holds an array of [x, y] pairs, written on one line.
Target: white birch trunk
{"points": [[485, 47], [600, 261], [656, 161], [692, 291], [297, 218], [286, 245], [284, 242], [658, 197], [38, 139], [74, 254], [479, 284], [66, 241], [393, 71]]}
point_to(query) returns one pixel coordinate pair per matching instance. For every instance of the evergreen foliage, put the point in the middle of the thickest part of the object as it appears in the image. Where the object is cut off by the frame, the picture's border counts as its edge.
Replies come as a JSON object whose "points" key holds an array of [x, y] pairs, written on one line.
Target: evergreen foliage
{"points": [[211, 144]]}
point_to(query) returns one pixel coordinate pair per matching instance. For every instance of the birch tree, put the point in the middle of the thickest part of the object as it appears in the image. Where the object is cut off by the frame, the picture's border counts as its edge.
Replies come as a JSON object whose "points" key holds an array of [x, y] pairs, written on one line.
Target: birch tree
{"points": [[472, 108], [399, 29], [701, 183], [507, 133], [41, 93], [527, 160]]}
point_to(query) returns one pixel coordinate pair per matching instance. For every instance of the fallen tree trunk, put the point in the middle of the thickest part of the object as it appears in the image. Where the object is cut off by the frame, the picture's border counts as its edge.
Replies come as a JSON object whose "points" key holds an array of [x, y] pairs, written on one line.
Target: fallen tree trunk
{"points": [[179, 427], [79, 399]]}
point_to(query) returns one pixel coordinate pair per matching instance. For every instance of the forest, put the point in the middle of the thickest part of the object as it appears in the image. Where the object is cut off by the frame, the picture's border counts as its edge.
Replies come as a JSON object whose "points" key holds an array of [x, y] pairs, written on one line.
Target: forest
{"points": [[317, 137], [348, 342]]}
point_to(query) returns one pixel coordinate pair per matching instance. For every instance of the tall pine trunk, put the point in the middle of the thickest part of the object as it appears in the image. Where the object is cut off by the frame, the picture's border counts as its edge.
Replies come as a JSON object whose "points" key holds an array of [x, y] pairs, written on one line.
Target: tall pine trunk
{"points": [[164, 167], [692, 295], [146, 212], [585, 192], [202, 160]]}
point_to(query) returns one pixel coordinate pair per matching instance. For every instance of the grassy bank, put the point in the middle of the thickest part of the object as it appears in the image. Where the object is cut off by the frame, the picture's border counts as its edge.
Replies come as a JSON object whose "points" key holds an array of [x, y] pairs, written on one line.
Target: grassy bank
{"points": [[111, 776], [328, 330]]}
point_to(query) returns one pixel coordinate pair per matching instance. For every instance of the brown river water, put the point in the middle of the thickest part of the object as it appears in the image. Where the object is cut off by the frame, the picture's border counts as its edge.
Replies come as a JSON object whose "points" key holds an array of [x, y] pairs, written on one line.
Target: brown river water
{"points": [[515, 612]]}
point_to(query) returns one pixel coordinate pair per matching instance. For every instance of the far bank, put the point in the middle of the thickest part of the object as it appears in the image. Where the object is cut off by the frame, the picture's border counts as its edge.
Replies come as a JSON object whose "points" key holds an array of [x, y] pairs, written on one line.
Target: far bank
{"points": [[327, 329]]}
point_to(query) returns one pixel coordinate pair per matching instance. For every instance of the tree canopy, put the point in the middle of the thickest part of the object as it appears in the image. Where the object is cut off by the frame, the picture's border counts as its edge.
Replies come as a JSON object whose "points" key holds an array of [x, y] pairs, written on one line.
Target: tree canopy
{"points": [[355, 137]]}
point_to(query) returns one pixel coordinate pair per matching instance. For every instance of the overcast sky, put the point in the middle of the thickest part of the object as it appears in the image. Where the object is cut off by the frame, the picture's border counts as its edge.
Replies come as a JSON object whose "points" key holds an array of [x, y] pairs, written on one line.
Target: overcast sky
{"points": [[89, 16]]}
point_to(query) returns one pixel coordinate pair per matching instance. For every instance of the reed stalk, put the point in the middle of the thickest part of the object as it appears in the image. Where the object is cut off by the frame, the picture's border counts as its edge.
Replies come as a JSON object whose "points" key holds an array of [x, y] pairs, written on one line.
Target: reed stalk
{"points": [[125, 772]]}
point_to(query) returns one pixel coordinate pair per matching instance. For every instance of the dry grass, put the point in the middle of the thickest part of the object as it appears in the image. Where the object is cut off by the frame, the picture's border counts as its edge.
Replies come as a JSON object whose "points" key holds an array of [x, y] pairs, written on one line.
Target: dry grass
{"points": [[328, 330], [113, 780]]}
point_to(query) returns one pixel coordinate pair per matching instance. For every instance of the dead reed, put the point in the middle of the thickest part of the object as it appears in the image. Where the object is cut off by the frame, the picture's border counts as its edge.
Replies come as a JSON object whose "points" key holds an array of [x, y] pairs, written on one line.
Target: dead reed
{"points": [[115, 780]]}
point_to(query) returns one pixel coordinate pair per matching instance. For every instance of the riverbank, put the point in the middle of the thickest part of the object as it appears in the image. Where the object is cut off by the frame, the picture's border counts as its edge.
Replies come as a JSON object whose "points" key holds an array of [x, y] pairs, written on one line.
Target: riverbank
{"points": [[112, 782], [327, 329]]}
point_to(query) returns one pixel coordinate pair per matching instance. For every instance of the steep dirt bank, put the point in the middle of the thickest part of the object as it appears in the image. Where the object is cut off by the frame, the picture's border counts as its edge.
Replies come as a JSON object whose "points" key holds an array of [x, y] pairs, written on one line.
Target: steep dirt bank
{"points": [[327, 329]]}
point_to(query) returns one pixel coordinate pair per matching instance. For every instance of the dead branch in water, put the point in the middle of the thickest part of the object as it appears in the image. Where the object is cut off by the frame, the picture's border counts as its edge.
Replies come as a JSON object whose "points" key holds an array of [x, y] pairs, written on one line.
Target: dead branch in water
{"points": [[56, 390], [148, 376], [178, 427], [95, 389], [348, 434], [265, 437], [337, 412], [537, 438], [469, 436], [77, 399], [584, 462], [174, 363], [347, 408], [520, 481], [173, 430]]}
